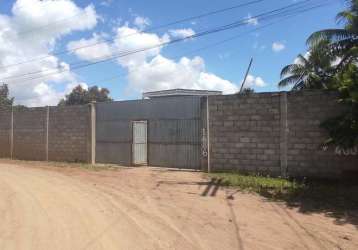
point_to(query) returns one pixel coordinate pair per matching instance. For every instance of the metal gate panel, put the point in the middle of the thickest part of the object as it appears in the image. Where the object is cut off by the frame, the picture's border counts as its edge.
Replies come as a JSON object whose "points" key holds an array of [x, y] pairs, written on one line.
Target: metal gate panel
{"points": [[175, 143], [173, 135], [140, 143]]}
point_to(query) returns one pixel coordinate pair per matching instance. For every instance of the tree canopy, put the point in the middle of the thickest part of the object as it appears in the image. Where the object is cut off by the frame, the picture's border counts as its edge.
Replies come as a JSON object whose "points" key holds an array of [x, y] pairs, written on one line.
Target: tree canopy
{"points": [[331, 63], [81, 96], [5, 99], [248, 91], [312, 71], [343, 41]]}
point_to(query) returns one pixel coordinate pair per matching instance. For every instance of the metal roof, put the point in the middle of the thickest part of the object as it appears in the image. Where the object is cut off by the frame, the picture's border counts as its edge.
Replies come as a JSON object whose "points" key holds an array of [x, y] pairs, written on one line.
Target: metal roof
{"points": [[180, 92]]}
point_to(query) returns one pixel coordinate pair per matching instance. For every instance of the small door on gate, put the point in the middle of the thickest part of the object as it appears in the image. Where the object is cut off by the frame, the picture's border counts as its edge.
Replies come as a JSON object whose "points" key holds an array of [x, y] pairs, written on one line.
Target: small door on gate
{"points": [[139, 147]]}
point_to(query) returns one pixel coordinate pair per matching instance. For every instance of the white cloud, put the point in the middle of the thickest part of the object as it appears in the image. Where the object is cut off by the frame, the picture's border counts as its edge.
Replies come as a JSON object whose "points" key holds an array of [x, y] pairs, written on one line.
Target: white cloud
{"points": [[51, 19], [257, 46], [298, 60], [163, 73], [128, 39], [149, 70], [252, 81], [31, 31], [252, 20], [141, 22], [182, 33], [91, 49], [106, 3], [223, 56], [278, 46]]}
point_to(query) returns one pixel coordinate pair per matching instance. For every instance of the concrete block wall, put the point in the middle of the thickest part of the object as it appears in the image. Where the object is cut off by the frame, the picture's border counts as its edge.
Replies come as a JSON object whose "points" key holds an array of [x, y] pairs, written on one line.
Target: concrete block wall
{"points": [[5, 133], [245, 133], [69, 134], [305, 157], [29, 134], [276, 134], [46, 133]]}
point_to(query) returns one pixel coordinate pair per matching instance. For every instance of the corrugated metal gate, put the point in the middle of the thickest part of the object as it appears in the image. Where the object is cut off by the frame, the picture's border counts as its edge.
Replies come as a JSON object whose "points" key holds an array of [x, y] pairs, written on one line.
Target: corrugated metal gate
{"points": [[173, 131]]}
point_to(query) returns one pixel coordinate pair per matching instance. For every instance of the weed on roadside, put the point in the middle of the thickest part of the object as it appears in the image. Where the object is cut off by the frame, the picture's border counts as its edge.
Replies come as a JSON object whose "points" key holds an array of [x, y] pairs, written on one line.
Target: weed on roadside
{"points": [[337, 198]]}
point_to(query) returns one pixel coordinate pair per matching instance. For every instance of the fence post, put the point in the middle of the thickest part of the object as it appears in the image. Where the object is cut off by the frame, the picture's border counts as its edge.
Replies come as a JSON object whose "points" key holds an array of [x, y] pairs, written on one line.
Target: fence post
{"points": [[12, 133], [283, 133], [93, 133], [47, 128]]}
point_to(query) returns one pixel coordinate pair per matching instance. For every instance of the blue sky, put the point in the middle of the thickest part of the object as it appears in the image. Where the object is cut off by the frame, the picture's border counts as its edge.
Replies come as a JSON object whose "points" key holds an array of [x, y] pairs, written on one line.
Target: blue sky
{"points": [[227, 61]]}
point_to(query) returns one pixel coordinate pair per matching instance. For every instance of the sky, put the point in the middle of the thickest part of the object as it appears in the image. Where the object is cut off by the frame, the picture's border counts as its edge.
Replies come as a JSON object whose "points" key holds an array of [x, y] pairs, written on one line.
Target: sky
{"points": [[48, 47]]}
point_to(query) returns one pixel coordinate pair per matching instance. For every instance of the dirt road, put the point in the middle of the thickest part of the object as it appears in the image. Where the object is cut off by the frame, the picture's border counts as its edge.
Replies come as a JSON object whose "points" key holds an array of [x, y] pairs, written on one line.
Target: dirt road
{"points": [[44, 207]]}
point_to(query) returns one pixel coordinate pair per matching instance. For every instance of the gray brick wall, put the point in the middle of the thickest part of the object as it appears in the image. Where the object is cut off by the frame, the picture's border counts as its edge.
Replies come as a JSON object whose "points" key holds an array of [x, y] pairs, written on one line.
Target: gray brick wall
{"points": [[306, 110], [29, 134], [5, 125], [245, 133], [266, 133], [69, 134], [248, 133]]}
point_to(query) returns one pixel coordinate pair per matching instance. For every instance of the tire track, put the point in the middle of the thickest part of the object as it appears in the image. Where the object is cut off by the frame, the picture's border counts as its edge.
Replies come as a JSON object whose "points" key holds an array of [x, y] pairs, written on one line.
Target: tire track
{"points": [[51, 208], [240, 244], [297, 228]]}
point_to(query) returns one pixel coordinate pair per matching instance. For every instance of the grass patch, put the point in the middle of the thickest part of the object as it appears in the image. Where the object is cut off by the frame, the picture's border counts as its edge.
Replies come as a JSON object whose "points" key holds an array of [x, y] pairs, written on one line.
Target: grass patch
{"points": [[336, 196], [82, 165], [274, 187], [86, 166]]}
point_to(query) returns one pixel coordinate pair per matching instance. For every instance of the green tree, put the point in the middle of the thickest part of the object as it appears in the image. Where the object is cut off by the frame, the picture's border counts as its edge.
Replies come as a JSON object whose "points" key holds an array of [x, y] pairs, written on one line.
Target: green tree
{"points": [[343, 41], [81, 96], [248, 91], [315, 71], [343, 129], [98, 94], [5, 99]]}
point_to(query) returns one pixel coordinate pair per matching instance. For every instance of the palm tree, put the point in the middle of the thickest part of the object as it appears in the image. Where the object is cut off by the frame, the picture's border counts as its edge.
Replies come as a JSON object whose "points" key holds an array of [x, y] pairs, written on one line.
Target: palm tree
{"points": [[312, 71], [247, 91], [343, 41]]}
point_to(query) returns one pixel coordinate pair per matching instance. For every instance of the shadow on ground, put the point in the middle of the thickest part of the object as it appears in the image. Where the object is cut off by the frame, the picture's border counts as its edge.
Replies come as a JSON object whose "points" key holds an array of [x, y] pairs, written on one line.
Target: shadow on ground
{"points": [[336, 199]]}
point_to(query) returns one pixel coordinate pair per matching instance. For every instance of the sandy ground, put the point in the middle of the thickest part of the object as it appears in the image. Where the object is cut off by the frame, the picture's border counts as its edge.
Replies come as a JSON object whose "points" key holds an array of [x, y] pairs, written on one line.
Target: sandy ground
{"points": [[44, 207]]}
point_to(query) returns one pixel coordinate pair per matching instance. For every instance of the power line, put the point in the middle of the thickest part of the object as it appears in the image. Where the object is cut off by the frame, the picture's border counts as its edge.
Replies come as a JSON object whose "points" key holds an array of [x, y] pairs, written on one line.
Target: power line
{"points": [[270, 14], [218, 29], [140, 32], [205, 47], [141, 50], [196, 50], [223, 41]]}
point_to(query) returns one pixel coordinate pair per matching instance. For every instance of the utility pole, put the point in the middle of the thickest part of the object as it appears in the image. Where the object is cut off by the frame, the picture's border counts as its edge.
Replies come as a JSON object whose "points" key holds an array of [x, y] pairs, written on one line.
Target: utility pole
{"points": [[247, 73]]}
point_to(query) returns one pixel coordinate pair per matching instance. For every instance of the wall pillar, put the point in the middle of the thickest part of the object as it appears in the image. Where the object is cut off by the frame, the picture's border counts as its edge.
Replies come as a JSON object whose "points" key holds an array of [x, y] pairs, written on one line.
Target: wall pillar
{"points": [[283, 134], [12, 133], [208, 133], [93, 133], [47, 128]]}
